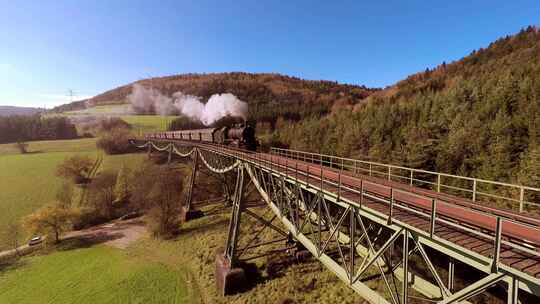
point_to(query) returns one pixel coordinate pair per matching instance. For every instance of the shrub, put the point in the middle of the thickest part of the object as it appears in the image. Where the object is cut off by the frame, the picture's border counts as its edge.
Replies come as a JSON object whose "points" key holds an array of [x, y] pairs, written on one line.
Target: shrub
{"points": [[76, 168], [88, 217], [101, 194], [21, 146], [115, 141]]}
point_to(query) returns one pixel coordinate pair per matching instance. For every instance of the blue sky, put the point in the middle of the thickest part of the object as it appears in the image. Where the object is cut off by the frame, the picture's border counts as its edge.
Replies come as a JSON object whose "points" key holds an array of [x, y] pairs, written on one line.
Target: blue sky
{"points": [[48, 47]]}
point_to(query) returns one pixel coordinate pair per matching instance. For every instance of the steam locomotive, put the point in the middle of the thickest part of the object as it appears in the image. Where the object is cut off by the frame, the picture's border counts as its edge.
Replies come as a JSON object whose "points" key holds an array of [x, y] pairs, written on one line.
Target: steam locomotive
{"points": [[239, 135]]}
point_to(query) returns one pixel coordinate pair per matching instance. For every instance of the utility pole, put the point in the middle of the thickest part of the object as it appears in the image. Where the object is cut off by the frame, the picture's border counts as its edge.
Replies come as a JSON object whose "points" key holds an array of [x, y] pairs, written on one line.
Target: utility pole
{"points": [[71, 93]]}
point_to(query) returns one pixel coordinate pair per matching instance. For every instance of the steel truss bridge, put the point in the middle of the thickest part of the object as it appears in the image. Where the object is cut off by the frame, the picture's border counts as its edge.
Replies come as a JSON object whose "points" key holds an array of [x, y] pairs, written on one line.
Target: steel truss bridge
{"points": [[362, 218]]}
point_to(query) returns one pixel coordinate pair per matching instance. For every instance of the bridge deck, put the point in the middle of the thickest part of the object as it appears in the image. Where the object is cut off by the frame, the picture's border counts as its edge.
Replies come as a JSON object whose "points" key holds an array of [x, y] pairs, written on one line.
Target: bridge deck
{"points": [[456, 226], [350, 187]]}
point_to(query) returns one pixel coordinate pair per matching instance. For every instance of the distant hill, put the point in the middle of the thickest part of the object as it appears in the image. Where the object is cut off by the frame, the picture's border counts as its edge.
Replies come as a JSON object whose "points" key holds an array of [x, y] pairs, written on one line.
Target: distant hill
{"points": [[11, 110], [72, 106], [268, 95]]}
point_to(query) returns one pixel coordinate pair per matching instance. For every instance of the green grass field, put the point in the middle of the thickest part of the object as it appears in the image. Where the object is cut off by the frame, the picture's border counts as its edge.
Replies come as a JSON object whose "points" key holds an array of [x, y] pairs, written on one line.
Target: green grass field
{"points": [[148, 123], [96, 274], [48, 146], [91, 275], [113, 109], [28, 181]]}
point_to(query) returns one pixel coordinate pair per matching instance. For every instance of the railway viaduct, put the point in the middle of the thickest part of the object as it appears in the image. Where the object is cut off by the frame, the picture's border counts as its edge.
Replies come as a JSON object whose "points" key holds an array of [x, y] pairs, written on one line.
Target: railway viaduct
{"points": [[362, 219]]}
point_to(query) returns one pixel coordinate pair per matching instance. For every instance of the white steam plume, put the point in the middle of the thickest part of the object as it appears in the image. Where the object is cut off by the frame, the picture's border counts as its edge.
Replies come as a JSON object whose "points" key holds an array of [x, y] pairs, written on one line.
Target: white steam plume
{"points": [[221, 105], [149, 101]]}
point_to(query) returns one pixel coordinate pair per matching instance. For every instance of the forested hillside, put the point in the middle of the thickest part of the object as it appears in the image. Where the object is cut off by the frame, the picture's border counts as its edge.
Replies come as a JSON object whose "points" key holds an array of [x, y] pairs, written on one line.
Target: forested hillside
{"points": [[479, 116], [269, 95]]}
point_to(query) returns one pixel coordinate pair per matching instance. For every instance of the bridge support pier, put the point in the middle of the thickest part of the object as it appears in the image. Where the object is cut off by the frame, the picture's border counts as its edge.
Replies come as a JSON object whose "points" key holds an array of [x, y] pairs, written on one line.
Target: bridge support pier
{"points": [[301, 254], [229, 278], [169, 157], [186, 212]]}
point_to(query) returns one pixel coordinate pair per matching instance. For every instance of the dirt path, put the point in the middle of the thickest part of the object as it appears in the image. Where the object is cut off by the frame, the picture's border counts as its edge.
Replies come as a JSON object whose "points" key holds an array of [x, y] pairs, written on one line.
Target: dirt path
{"points": [[119, 234]]}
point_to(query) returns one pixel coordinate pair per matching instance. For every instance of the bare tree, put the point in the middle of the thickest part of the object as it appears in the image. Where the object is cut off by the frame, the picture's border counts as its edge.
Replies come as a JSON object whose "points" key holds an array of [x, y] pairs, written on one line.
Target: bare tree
{"points": [[13, 234], [64, 194], [158, 190], [101, 193]]}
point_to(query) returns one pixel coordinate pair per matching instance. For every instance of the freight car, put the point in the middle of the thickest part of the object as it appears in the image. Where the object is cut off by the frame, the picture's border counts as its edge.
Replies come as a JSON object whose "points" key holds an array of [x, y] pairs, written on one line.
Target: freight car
{"points": [[239, 135]]}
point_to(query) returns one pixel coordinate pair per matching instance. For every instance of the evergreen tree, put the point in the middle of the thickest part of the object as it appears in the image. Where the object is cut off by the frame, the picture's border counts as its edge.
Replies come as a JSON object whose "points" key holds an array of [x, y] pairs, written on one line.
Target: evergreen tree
{"points": [[529, 170], [121, 189]]}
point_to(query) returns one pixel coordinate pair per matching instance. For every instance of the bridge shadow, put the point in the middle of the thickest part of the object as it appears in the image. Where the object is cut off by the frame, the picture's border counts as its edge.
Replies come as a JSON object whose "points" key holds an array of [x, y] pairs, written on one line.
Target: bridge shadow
{"points": [[217, 210], [221, 222]]}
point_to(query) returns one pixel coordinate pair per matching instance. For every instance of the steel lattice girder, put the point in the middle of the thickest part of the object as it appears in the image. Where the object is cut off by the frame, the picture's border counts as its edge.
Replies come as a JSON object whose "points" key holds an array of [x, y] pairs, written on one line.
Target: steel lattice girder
{"points": [[516, 280], [478, 261], [420, 285]]}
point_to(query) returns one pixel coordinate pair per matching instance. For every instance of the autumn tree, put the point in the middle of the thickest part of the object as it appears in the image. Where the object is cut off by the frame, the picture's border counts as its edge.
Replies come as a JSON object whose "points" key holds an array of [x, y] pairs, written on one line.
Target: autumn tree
{"points": [[76, 168], [50, 220]]}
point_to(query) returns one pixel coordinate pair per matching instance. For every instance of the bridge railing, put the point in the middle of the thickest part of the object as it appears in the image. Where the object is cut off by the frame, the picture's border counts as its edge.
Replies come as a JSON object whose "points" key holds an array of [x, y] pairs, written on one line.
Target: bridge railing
{"points": [[501, 230], [477, 190]]}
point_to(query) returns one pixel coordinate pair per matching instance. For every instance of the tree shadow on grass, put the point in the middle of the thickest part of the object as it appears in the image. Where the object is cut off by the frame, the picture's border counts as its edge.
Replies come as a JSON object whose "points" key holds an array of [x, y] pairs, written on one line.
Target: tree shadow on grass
{"points": [[12, 263]]}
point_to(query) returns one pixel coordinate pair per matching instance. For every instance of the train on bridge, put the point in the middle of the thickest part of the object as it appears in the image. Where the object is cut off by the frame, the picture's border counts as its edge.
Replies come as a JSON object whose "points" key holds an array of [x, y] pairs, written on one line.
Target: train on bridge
{"points": [[237, 135]]}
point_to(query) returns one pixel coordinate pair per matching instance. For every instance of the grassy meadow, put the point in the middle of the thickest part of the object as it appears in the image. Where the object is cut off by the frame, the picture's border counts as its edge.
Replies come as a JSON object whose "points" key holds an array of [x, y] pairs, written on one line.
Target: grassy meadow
{"points": [[28, 181], [97, 274], [148, 123], [194, 252]]}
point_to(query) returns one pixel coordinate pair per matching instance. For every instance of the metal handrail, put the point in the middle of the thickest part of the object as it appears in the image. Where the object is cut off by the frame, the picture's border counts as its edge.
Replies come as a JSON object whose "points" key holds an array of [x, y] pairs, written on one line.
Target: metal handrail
{"points": [[357, 165], [496, 237]]}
